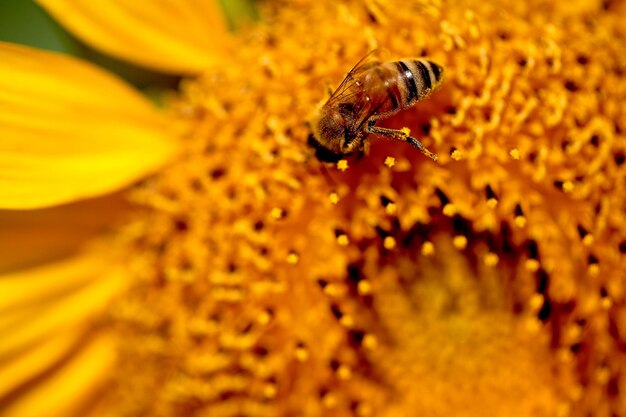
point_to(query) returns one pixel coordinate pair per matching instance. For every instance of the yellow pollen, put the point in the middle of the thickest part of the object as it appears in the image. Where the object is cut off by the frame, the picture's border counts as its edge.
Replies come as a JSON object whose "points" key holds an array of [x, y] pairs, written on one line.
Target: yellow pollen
{"points": [[344, 372], [593, 270], [514, 154], [292, 258], [329, 400], [391, 209], [390, 161], [277, 213], [301, 354], [449, 210], [459, 242], [533, 325], [606, 303], [334, 290], [270, 390], [428, 248], [333, 197], [343, 240], [520, 221], [456, 155], [531, 265], [346, 321], [491, 259], [492, 203], [568, 186], [389, 243], [370, 341], [588, 240], [572, 334], [342, 165], [536, 302], [406, 131], [264, 317], [364, 287]]}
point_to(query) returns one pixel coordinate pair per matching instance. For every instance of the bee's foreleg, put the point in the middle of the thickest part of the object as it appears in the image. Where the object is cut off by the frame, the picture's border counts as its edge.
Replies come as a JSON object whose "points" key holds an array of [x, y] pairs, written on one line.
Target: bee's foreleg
{"points": [[365, 146], [400, 135]]}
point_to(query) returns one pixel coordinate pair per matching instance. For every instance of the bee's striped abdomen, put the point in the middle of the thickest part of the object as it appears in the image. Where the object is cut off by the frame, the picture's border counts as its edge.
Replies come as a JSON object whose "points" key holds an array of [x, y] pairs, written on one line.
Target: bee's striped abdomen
{"points": [[416, 80]]}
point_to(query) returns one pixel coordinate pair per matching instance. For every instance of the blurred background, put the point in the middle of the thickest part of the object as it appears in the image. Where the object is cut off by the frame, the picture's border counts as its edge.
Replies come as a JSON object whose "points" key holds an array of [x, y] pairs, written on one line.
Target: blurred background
{"points": [[24, 22]]}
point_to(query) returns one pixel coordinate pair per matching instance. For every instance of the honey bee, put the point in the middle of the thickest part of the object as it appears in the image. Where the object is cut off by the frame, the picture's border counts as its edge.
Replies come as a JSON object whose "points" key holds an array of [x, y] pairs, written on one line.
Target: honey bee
{"points": [[372, 90]]}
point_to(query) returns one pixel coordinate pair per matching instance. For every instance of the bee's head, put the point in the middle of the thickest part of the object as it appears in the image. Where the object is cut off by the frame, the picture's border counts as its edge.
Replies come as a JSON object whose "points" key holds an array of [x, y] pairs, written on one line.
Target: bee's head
{"points": [[330, 132]]}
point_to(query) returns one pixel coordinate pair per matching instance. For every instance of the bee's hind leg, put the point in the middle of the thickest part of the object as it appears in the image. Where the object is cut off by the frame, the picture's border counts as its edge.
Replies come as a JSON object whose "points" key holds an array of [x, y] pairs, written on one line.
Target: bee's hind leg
{"points": [[400, 135]]}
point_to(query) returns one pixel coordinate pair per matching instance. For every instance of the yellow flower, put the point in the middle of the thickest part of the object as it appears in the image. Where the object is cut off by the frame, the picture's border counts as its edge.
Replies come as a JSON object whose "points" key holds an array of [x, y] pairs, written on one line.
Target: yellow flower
{"points": [[251, 279]]}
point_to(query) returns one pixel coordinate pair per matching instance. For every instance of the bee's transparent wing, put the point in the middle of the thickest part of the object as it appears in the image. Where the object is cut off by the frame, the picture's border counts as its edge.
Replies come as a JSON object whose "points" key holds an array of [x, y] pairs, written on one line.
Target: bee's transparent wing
{"points": [[348, 89], [366, 98]]}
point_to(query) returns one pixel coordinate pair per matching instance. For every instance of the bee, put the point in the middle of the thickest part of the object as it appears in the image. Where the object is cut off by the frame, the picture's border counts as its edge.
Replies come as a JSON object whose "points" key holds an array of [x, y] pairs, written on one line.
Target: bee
{"points": [[372, 90]]}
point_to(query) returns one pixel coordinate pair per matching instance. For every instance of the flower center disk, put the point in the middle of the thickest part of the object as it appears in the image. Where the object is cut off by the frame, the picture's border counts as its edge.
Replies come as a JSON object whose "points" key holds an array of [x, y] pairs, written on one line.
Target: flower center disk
{"points": [[271, 284]]}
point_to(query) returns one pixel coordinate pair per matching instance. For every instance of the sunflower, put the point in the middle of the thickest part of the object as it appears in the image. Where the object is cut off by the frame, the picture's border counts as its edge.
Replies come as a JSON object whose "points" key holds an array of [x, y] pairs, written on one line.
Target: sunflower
{"points": [[245, 277]]}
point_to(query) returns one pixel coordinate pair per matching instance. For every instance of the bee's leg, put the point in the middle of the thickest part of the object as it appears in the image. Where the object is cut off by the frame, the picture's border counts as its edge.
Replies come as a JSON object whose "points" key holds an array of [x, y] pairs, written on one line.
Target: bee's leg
{"points": [[401, 136], [365, 146]]}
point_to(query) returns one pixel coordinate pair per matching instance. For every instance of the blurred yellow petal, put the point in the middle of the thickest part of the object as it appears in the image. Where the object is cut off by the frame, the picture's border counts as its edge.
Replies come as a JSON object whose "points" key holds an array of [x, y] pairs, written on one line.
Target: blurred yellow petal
{"points": [[58, 301], [176, 36], [70, 389], [31, 287], [70, 131], [39, 236], [36, 360], [54, 354]]}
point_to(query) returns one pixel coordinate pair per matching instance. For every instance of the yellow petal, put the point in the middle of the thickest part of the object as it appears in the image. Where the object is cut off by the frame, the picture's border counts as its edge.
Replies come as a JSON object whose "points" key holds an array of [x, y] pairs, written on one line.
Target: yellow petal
{"points": [[37, 359], [70, 389], [39, 236], [176, 36], [33, 287], [55, 355], [70, 131], [65, 303]]}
